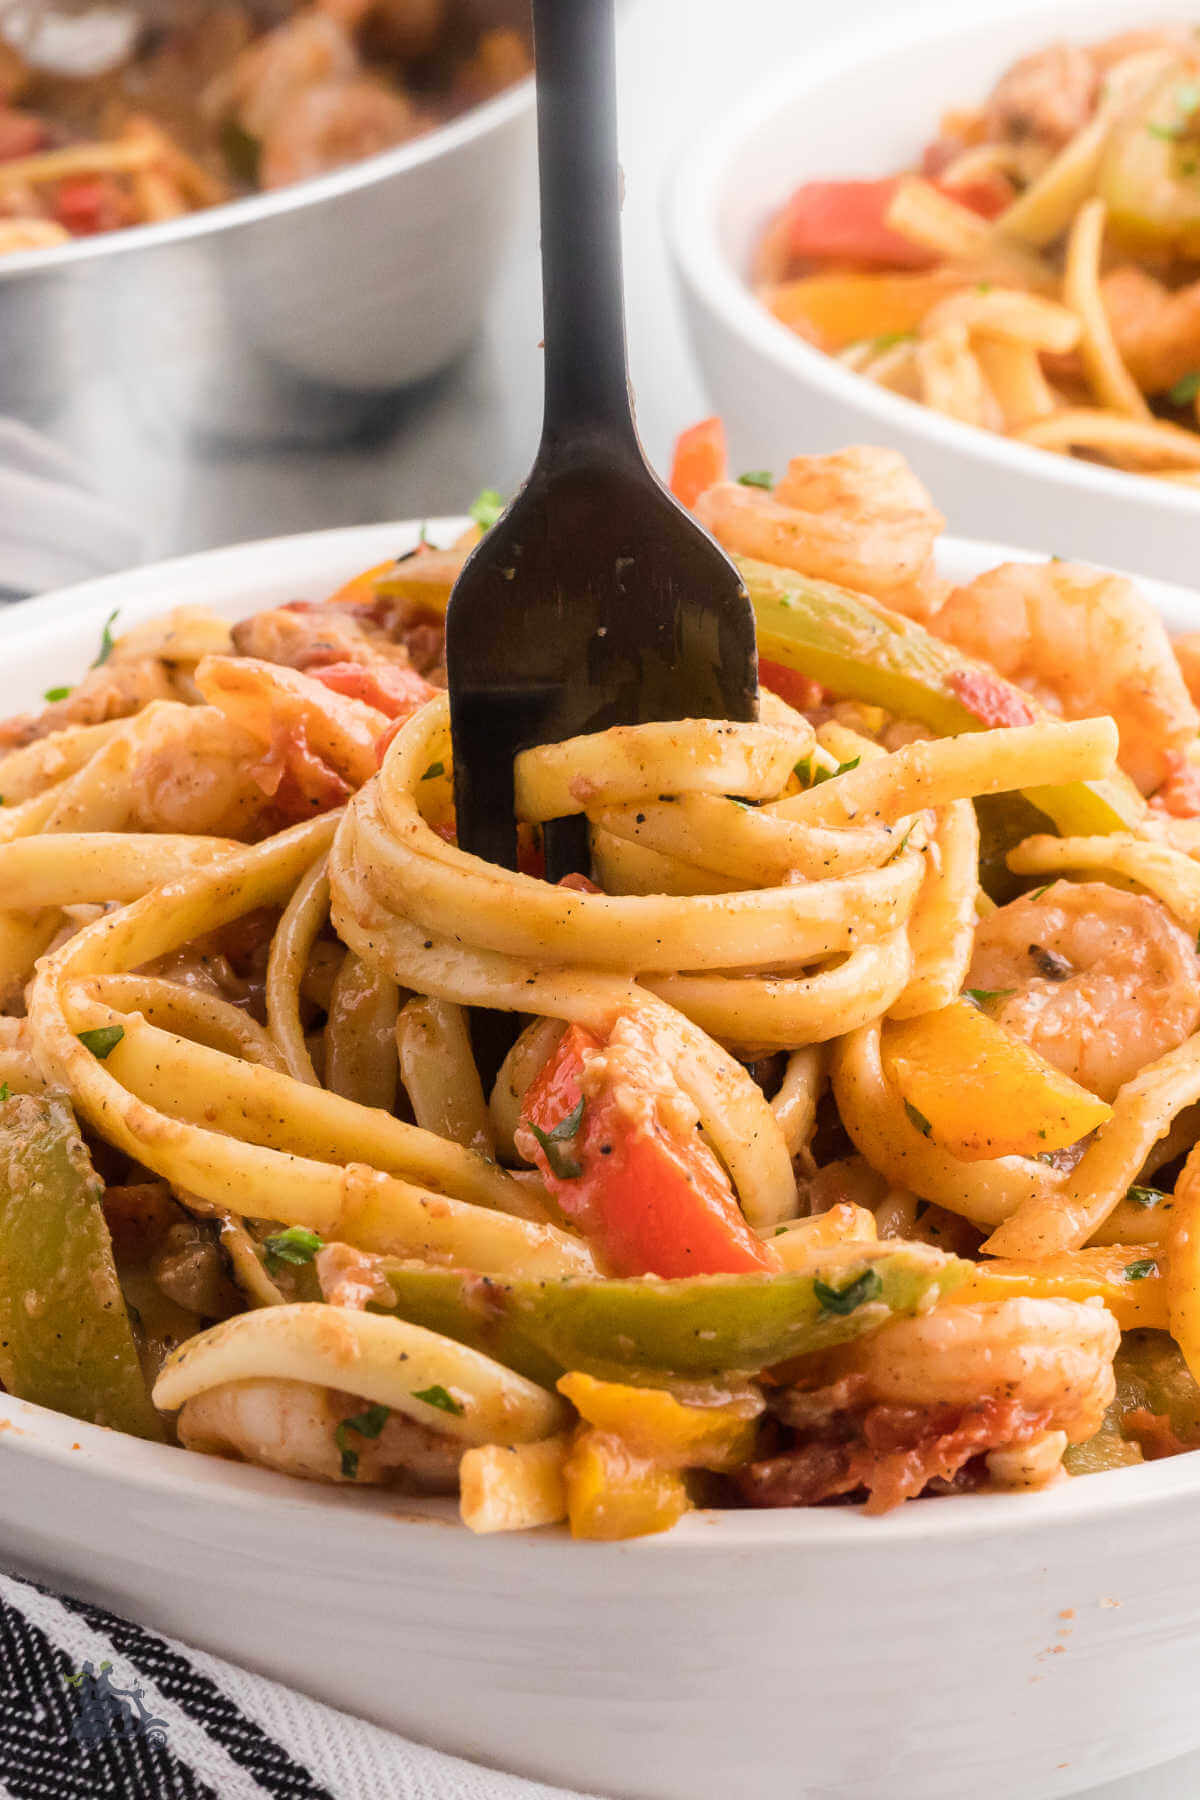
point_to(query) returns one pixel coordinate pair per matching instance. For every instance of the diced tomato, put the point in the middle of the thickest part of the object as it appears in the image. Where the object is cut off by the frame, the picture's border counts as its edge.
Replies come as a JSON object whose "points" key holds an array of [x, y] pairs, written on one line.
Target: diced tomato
{"points": [[845, 221], [800, 691], [988, 195], [989, 699], [580, 884], [20, 133], [87, 204], [700, 460], [391, 688], [653, 1202]]}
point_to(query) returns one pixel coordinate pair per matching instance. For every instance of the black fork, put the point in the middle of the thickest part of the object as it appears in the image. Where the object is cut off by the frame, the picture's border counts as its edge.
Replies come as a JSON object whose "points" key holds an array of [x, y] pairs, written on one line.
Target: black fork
{"points": [[595, 600]]}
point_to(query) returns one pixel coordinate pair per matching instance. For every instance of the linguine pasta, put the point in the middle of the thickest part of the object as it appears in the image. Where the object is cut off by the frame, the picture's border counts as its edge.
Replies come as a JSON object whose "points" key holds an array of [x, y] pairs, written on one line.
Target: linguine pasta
{"points": [[833, 1138], [1035, 276]]}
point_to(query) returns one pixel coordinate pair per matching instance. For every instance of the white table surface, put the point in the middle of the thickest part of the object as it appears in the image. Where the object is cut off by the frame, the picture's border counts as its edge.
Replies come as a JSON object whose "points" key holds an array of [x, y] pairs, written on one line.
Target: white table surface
{"points": [[478, 426]]}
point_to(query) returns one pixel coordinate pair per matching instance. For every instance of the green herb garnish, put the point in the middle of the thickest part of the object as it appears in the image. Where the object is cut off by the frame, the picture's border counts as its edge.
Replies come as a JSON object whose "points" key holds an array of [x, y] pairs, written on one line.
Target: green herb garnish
{"points": [[1138, 1271], [918, 1119], [1145, 1197], [832, 774], [486, 508], [1038, 892], [53, 694], [438, 1396], [759, 478], [295, 1247], [803, 770], [5, 1091], [106, 639], [562, 1165], [101, 1040], [1185, 389], [984, 996], [367, 1424], [865, 1288], [433, 771]]}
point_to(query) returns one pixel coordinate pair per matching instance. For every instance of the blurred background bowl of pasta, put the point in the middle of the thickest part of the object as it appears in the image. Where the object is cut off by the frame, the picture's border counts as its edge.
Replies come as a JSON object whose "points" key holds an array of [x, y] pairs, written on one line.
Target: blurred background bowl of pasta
{"points": [[285, 313], [869, 108]]}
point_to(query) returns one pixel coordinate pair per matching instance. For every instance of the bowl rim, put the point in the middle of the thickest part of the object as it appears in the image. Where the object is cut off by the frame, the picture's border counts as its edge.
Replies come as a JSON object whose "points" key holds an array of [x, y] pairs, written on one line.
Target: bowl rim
{"points": [[228, 1489], [696, 176], [492, 115]]}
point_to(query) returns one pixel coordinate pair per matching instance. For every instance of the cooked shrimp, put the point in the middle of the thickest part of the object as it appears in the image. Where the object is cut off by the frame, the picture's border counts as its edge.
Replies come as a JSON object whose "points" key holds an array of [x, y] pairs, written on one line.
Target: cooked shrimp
{"points": [[1047, 1356], [1047, 96], [1098, 981], [307, 734], [308, 48], [1084, 643], [1157, 329], [113, 691], [292, 1426], [860, 518], [332, 123], [305, 638], [919, 1399], [192, 773]]}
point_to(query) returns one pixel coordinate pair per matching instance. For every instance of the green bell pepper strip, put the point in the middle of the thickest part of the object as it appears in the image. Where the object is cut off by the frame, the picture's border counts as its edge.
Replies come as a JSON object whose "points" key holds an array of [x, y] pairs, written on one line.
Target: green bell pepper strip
{"points": [[861, 651], [65, 1336], [1150, 1373], [692, 1329]]}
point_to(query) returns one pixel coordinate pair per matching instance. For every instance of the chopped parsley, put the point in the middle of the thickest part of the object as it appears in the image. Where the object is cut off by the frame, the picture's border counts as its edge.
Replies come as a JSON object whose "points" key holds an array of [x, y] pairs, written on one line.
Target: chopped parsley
{"points": [[5, 1091], [759, 478], [562, 1165], [433, 771], [486, 508], [438, 1396], [1157, 129], [1138, 1271], [102, 1040], [864, 1288], [1185, 389], [53, 694], [106, 639], [295, 1246], [1038, 892], [918, 1119], [1145, 1197], [367, 1424], [887, 340], [985, 996], [812, 776]]}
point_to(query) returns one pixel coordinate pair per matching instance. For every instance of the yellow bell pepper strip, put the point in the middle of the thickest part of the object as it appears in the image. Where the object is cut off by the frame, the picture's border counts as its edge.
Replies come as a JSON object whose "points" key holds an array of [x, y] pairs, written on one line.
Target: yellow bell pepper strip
{"points": [[693, 1329], [672, 1432], [613, 1494], [1183, 1263], [860, 650], [65, 1336], [1129, 1278], [941, 1062]]}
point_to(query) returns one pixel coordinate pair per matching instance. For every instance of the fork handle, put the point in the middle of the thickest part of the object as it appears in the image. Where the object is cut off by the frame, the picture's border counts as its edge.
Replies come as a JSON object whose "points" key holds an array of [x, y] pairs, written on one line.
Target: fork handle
{"points": [[587, 375]]}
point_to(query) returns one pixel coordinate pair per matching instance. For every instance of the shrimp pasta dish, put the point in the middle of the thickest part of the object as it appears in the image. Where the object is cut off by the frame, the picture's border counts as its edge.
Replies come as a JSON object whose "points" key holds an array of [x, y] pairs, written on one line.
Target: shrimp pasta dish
{"points": [[204, 103], [1036, 272], [834, 1140]]}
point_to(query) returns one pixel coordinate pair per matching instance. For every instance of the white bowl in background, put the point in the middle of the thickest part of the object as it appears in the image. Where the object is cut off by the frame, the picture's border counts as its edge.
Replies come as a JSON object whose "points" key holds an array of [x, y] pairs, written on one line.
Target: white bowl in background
{"points": [[867, 107], [987, 1646]]}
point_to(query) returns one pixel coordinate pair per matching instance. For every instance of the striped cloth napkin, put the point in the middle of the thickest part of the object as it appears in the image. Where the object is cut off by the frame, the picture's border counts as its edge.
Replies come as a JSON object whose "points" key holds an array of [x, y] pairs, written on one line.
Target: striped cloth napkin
{"points": [[93, 1707]]}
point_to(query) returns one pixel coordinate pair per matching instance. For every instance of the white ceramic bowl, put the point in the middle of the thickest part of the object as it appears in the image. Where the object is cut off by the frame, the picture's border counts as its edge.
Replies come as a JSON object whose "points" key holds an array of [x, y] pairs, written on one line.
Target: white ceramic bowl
{"points": [[992, 1646], [867, 107]]}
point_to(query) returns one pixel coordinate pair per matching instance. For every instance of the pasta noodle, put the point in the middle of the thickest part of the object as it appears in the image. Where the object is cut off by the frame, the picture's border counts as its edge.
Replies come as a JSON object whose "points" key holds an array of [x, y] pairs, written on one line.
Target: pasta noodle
{"points": [[1036, 275], [790, 1080]]}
